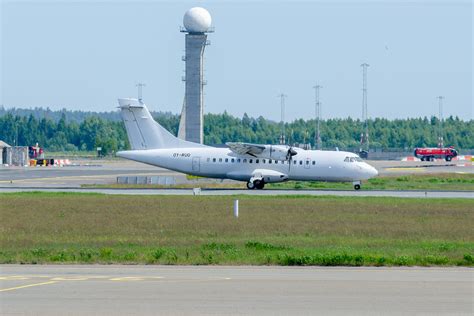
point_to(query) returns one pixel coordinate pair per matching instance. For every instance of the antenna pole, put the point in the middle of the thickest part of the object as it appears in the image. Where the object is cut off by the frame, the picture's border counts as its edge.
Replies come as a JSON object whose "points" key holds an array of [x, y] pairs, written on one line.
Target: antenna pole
{"points": [[440, 119], [317, 136], [365, 138], [282, 122], [140, 86]]}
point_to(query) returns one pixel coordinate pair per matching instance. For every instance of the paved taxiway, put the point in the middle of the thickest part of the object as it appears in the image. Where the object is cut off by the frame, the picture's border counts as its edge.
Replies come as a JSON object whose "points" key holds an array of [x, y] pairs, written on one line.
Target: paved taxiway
{"points": [[267, 192], [120, 290], [107, 171]]}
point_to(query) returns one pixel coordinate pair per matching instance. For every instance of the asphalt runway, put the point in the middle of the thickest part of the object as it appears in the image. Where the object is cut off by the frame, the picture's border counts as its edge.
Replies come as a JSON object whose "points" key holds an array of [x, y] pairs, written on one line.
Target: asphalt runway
{"points": [[217, 290]]}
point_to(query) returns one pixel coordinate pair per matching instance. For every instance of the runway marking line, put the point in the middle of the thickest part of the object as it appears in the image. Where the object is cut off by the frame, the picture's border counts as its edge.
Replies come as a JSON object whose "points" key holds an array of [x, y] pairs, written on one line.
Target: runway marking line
{"points": [[402, 169], [28, 285]]}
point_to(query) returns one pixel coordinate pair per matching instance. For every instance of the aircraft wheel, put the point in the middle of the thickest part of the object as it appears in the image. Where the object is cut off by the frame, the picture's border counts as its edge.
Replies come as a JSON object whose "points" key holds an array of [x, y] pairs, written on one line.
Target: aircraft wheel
{"points": [[422, 158], [250, 185], [448, 158], [356, 187], [259, 184]]}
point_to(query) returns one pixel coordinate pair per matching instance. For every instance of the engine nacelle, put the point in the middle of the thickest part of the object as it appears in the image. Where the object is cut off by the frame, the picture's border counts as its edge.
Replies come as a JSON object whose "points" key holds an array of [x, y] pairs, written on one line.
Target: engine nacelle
{"points": [[268, 176], [277, 152]]}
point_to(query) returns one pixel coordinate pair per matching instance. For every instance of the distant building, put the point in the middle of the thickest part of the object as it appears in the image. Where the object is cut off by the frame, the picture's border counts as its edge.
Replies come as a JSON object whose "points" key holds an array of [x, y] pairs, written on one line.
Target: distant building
{"points": [[3, 152]]}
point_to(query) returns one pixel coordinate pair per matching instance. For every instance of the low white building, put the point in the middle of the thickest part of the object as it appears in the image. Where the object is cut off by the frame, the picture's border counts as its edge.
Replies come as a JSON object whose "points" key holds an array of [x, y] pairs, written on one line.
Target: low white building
{"points": [[3, 153]]}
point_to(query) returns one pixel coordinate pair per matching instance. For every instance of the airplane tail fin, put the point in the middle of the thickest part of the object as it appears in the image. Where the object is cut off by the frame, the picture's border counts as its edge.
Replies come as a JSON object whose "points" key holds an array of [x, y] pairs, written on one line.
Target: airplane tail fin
{"points": [[144, 132]]}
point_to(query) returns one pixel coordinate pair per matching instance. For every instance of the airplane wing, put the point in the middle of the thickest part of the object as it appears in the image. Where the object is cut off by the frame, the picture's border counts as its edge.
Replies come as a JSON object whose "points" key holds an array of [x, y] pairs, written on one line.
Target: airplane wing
{"points": [[246, 148]]}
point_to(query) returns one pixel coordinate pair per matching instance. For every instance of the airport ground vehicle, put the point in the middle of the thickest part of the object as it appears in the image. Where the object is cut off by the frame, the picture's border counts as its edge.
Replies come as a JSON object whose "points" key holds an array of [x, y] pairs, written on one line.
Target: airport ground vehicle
{"points": [[429, 154]]}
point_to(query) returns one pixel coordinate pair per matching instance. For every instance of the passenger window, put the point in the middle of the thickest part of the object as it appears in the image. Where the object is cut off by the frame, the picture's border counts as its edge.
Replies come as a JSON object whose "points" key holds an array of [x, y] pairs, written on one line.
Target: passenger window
{"points": [[269, 161], [314, 162], [250, 160], [244, 161], [301, 162], [238, 160], [276, 161], [294, 162], [213, 159], [263, 160], [220, 159], [256, 160], [232, 160], [208, 159], [227, 160], [307, 162]]}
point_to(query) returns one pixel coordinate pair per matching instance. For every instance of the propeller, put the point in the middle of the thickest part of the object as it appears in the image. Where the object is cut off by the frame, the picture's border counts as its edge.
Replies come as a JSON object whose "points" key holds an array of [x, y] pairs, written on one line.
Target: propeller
{"points": [[291, 153], [289, 156]]}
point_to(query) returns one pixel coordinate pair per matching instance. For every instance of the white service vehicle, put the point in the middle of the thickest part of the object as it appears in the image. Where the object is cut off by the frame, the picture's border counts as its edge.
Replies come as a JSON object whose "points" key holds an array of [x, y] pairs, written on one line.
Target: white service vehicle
{"points": [[252, 163]]}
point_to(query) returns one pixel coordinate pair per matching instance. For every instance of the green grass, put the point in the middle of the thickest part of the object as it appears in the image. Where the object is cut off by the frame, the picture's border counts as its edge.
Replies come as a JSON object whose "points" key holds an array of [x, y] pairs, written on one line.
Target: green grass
{"points": [[350, 231], [448, 182], [441, 181]]}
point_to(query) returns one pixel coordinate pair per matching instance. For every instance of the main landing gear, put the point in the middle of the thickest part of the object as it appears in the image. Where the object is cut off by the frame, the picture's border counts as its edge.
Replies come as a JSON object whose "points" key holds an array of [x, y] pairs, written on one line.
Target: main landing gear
{"points": [[356, 185], [256, 184]]}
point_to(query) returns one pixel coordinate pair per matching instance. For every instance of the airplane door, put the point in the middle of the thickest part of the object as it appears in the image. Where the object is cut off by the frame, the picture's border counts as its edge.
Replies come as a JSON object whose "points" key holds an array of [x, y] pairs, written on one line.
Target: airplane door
{"points": [[196, 163], [307, 163]]}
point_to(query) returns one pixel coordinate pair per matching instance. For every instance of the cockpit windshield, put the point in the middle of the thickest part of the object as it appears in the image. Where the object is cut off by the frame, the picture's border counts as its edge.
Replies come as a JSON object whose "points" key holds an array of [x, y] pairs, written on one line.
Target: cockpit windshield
{"points": [[353, 159]]}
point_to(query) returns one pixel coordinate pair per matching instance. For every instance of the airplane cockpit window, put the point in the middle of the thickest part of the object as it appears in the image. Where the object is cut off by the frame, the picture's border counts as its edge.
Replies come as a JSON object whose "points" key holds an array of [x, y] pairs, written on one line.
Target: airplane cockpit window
{"points": [[353, 159]]}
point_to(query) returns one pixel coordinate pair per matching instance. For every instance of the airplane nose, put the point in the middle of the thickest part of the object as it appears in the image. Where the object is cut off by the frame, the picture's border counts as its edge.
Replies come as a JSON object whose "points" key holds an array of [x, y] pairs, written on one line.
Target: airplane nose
{"points": [[373, 171]]}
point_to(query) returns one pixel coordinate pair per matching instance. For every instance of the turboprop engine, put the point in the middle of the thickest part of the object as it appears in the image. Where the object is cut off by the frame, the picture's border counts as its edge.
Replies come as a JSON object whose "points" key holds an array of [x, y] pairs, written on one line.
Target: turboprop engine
{"points": [[277, 152]]}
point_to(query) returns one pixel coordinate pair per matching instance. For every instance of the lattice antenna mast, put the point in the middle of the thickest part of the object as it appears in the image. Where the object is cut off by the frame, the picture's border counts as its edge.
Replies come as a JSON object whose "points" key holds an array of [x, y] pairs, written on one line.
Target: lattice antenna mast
{"points": [[317, 104], [282, 122], [440, 123], [365, 133], [140, 86]]}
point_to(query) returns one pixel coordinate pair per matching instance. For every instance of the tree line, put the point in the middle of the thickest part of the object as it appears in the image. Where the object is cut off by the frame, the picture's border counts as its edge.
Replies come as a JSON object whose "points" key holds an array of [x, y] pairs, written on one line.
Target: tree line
{"points": [[58, 133]]}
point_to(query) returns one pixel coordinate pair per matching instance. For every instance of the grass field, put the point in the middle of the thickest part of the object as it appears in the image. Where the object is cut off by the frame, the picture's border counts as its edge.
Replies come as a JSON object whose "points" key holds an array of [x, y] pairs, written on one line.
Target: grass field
{"points": [[442, 181], [353, 231]]}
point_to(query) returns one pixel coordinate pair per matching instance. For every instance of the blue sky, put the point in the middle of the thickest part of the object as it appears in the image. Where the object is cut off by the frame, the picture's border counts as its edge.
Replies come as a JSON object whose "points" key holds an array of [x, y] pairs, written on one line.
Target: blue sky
{"points": [[86, 54]]}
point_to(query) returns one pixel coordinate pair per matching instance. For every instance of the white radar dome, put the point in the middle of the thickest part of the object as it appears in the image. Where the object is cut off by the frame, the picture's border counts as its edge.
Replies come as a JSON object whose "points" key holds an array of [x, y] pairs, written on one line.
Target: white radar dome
{"points": [[197, 20]]}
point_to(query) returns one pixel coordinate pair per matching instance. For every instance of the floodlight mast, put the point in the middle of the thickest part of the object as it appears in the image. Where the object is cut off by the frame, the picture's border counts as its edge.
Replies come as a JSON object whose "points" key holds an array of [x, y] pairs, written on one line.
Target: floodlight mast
{"points": [[317, 136], [140, 86], [440, 123], [282, 97], [365, 138]]}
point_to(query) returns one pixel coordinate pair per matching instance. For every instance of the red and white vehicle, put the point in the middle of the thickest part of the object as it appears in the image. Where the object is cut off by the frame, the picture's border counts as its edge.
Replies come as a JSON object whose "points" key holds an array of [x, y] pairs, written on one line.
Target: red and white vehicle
{"points": [[429, 154]]}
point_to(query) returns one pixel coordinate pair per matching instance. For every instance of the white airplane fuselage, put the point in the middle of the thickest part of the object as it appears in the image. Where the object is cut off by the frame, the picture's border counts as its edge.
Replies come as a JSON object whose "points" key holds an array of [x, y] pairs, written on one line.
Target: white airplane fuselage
{"points": [[222, 163], [253, 163]]}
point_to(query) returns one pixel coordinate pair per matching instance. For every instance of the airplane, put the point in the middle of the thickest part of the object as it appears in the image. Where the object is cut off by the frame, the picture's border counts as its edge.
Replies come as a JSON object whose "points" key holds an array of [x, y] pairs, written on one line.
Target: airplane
{"points": [[253, 163]]}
